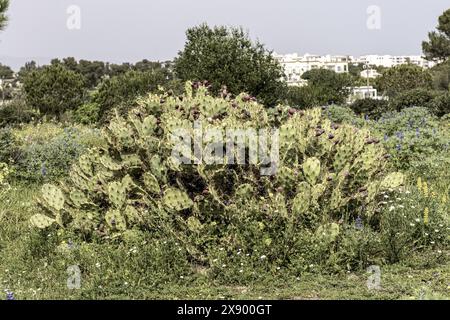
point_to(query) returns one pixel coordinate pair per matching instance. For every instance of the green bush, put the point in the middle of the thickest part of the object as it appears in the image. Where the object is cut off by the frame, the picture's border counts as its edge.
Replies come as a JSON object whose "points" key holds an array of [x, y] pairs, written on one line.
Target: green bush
{"points": [[41, 162], [411, 135], [16, 111], [88, 113], [412, 98], [303, 97], [440, 105], [121, 91], [370, 107], [54, 89], [343, 115], [9, 150]]}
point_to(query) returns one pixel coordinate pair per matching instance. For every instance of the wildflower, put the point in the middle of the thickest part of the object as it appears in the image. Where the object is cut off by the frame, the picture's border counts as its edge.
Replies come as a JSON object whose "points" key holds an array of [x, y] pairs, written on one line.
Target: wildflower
{"points": [[43, 170], [391, 208], [425, 189], [386, 138], [426, 216], [398, 147], [417, 132], [224, 266], [417, 220], [412, 224], [10, 295], [419, 183], [444, 199], [263, 257], [359, 223]]}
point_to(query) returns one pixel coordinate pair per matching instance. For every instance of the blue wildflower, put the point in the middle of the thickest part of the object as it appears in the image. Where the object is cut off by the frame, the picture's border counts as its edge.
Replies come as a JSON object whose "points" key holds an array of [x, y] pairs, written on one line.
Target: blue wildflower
{"points": [[400, 135], [417, 132], [386, 138], [43, 170], [398, 147], [366, 117], [359, 223], [10, 295]]}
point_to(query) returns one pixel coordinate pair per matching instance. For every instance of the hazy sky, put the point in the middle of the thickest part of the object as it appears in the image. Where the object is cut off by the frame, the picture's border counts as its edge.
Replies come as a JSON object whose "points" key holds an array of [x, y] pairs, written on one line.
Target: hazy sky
{"points": [[118, 31]]}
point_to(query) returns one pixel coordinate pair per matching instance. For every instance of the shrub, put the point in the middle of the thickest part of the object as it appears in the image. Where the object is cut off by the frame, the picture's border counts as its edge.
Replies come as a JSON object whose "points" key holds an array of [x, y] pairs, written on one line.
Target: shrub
{"points": [[54, 89], [16, 111], [9, 150], [343, 115], [411, 135], [121, 91], [329, 87], [440, 105], [303, 97], [326, 173], [372, 108], [88, 113], [40, 162], [412, 98], [405, 77]]}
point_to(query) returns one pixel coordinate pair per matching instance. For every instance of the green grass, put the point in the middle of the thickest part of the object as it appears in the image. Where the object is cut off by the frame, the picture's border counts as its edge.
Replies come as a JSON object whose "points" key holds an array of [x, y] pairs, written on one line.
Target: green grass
{"points": [[30, 268]]}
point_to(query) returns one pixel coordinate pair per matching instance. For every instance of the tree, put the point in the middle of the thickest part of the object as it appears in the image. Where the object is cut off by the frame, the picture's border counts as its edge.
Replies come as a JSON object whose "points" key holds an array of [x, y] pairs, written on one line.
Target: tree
{"points": [[6, 72], [4, 5], [402, 78], [330, 87], [438, 46], [227, 56], [54, 89], [303, 97], [26, 69], [123, 89]]}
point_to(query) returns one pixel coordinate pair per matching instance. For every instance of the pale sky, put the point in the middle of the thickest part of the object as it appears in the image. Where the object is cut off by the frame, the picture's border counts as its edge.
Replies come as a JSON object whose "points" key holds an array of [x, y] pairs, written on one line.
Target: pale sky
{"points": [[131, 30]]}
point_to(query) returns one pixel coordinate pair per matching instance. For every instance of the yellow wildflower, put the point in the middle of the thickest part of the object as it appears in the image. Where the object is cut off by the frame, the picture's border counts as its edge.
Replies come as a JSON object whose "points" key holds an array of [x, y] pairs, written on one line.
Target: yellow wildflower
{"points": [[419, 184], [425, 189], [444, 199], [426, 216]]}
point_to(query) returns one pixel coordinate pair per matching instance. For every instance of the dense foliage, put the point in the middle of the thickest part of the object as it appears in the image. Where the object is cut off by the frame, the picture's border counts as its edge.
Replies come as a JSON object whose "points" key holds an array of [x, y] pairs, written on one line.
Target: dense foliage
{"points": [[228, 57], [54, 89]]}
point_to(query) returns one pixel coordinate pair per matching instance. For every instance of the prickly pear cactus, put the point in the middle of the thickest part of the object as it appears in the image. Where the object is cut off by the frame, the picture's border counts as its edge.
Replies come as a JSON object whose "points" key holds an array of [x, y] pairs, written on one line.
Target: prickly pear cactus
{"points": [[134, 183]]}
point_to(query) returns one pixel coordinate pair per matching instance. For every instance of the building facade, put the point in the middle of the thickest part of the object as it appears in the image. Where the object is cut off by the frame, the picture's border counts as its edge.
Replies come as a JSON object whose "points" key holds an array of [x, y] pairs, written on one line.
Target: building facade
{"points": [[295, 65]]}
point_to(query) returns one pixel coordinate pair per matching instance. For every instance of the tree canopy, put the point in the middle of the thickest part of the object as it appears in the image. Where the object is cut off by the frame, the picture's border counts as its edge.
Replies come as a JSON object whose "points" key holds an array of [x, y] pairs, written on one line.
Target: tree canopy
{"points": [[402, 78], [54, 89], [227, 56], [438, 45], [4, 5]]}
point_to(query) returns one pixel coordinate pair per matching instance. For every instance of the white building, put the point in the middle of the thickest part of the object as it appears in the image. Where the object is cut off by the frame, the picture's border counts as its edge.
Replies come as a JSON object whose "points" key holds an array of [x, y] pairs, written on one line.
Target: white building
{"points": [[389, 61], [370, 74], [364, 92], [295, 65]]}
